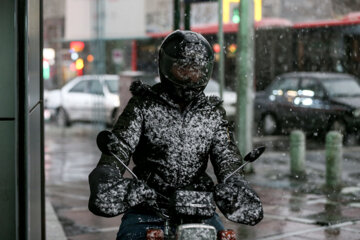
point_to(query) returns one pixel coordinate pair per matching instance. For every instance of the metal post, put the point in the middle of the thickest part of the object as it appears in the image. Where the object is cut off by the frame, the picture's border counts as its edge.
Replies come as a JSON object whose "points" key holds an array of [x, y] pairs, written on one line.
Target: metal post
{"points": [[245, 77], [297, 154], [100, 44], [333, 155], [100, 67], [187, 13], [221, 44], [133, 55], [176, 15]]}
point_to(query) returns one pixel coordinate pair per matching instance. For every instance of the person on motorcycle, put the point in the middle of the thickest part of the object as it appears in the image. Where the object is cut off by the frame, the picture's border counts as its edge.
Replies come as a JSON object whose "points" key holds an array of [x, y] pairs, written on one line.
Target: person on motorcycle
{"points": [[170, 130]]}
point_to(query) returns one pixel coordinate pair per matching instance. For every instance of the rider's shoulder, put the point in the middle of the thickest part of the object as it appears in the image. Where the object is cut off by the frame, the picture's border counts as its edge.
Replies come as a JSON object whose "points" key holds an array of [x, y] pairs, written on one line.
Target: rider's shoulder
{"points": [[214, 101], [216, 104], [138, 88]]}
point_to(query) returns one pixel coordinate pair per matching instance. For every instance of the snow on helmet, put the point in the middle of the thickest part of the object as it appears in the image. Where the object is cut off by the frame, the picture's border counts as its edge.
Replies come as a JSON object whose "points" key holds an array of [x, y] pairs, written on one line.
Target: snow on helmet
{"points": [[186, 59]]}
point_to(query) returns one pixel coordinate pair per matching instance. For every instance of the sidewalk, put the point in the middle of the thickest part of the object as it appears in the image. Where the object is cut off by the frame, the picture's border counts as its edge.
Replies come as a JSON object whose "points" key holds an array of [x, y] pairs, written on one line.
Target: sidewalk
{"points": [[54, 230], [297, 209], [293, 210], [301, 216]]}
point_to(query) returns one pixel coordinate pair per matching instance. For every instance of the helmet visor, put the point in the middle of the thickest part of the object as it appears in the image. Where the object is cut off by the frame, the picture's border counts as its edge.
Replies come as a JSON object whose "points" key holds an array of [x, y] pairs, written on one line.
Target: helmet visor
{"points": [[193, 69]]}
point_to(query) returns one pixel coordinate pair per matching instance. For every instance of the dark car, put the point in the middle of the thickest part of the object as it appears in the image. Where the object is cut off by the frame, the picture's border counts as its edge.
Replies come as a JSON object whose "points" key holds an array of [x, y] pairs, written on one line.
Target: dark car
{"points": [[312, 101]]}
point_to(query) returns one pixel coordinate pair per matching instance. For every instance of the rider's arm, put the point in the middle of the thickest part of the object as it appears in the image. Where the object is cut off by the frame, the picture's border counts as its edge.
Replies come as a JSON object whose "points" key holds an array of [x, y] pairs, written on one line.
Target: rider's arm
{"points": [[224, 154], [108, 189], [235, 198]]}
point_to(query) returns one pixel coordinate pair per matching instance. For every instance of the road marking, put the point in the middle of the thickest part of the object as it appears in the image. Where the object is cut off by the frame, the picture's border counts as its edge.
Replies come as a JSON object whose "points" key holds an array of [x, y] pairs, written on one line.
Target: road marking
{"points": [[77, 209], [352, 230], [294, 219], [67, 195], [356, 204], [290, 234], [109, 229], [316, 201], [64, 186]]}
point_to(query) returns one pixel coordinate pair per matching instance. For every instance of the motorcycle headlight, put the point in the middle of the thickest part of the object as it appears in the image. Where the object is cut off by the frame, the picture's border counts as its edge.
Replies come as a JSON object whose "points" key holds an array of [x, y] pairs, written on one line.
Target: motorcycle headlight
{"points": [[356, 113]]}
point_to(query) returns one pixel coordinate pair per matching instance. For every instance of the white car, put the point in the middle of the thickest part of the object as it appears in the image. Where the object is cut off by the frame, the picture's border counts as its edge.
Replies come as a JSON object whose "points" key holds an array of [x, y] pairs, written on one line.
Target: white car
{"points": [[91, 98], [229, 97]]}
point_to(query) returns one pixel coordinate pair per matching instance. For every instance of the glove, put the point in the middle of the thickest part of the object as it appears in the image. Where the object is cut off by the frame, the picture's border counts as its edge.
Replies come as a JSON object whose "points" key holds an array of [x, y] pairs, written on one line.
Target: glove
{"points": [[139, 192], [238, 202]]}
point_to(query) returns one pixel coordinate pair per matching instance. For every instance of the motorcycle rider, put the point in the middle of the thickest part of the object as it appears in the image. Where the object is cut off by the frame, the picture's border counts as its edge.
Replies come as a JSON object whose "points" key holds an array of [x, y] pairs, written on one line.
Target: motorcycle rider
{"points": [[170, 130]]}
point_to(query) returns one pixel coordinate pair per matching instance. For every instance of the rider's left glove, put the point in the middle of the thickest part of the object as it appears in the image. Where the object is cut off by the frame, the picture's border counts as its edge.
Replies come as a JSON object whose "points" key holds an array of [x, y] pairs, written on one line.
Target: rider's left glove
{"points": [[238, 202]]}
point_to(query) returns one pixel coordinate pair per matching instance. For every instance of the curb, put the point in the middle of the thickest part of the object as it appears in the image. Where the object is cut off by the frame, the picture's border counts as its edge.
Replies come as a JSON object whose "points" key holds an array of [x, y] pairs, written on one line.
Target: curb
{"points": [[54, 230]]}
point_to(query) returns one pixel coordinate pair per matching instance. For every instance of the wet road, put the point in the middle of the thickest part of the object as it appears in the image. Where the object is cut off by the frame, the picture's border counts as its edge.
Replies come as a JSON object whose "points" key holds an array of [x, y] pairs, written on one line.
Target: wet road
{"points": [[293, 209]]}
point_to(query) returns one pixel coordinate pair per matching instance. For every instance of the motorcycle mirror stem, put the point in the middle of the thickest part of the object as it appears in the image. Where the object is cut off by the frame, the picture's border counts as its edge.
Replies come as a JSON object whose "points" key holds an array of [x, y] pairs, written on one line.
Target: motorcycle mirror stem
{"points": [[250, 157], [102, 140]]}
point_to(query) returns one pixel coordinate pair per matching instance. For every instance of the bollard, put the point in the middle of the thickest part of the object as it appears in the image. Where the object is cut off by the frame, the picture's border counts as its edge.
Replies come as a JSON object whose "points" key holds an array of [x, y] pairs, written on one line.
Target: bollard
{"points": [[333, 156], [297, 154]]}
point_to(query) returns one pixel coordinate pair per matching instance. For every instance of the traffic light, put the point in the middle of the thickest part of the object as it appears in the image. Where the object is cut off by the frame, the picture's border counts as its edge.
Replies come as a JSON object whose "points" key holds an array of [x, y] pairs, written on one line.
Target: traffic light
{"points": [[79, 64], [77, 46], [216, 48], [236, 15], [232, 48]]}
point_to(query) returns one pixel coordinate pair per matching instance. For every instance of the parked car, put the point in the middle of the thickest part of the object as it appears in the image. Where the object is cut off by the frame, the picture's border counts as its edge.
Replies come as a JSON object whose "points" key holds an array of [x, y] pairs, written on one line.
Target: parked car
{"points": [[311, 101], [85, 98]]}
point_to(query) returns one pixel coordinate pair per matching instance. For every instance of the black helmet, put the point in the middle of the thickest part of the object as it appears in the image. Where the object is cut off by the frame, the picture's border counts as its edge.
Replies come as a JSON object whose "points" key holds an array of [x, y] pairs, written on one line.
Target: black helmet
{"points": [[186, 59]]}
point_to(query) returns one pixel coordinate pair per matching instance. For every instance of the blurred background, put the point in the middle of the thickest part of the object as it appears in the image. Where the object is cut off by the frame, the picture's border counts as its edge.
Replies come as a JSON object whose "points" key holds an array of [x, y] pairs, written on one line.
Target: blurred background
{"points": [[107, 37], [302, 81]]}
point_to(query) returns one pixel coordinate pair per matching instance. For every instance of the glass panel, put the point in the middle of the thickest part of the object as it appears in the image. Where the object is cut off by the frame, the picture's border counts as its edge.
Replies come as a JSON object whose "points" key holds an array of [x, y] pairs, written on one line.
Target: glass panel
{"points": [[342, 87], [288, 84], [293, 40], [310, 88], [95, 87], [80, 87], [112, 85]]}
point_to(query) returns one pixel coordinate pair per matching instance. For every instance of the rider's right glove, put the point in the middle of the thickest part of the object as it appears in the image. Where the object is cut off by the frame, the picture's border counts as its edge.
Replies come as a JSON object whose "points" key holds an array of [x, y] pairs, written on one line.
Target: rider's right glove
{"points": [[238, 202], [139, 192]]}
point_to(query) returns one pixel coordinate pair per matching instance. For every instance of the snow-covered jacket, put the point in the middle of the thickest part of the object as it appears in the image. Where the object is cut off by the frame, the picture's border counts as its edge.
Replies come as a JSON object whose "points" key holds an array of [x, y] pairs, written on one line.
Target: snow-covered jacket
{"points": [[170, 148]]}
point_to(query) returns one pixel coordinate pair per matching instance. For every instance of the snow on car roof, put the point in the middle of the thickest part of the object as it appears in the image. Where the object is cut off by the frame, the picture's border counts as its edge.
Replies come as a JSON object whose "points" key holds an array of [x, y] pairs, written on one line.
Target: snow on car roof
{"points": [[324, 75]]}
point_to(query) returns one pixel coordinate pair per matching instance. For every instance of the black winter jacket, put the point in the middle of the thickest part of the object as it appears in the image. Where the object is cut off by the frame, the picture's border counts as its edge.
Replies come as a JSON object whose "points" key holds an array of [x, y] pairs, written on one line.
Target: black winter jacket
{"points": [[170, 148]]}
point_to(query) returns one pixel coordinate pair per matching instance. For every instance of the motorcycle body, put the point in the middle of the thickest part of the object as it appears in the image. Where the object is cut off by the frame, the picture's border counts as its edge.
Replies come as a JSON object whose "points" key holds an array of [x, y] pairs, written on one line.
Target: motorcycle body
{"points": [[188, 211], [193, 231]]}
